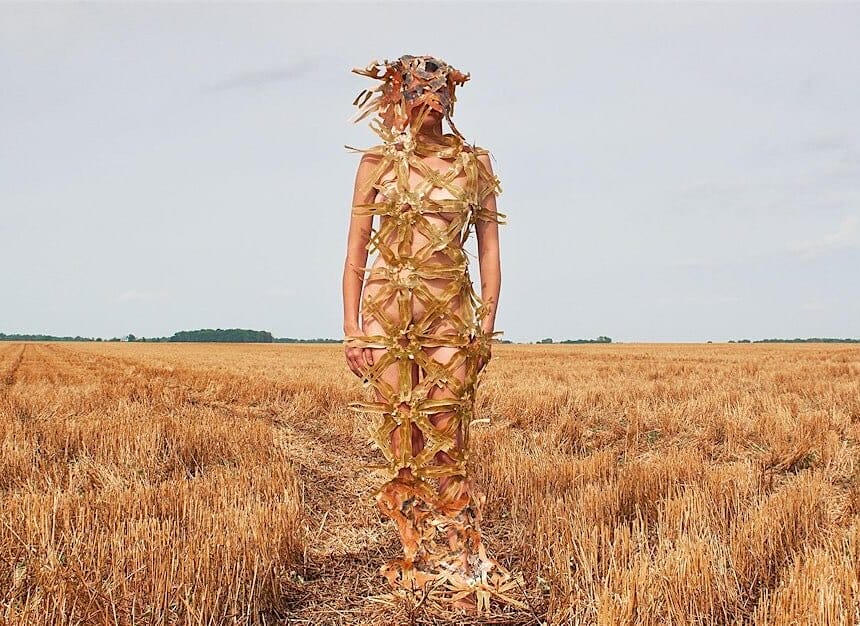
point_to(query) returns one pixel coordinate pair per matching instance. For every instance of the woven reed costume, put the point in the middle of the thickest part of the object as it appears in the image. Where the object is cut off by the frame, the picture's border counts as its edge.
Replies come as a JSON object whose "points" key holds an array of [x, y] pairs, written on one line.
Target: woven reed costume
{"points": [[419, 305]]}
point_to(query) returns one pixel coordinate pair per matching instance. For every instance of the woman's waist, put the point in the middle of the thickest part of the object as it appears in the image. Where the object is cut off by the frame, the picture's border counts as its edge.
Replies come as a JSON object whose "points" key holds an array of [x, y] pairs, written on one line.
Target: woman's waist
{"points": [[405, 267]]}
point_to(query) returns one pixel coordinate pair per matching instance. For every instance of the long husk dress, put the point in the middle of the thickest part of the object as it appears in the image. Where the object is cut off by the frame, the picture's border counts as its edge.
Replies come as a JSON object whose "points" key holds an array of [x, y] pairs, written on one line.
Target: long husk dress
{"points": [[418, 296]]}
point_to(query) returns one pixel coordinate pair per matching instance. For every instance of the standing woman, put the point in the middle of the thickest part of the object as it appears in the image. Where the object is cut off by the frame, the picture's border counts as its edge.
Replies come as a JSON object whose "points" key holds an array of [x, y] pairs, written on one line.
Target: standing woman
{"points": [[425, 335]]}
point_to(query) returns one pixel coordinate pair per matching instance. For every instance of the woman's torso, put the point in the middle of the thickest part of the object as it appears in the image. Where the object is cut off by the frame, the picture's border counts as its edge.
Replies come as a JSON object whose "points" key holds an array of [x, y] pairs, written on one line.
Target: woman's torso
{"points": [[420, 243], [443, 225]]}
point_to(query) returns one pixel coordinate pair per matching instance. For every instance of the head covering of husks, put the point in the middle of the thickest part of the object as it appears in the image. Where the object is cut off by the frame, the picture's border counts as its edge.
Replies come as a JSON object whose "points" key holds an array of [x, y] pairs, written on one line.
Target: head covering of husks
{"points": [[411, 86]]}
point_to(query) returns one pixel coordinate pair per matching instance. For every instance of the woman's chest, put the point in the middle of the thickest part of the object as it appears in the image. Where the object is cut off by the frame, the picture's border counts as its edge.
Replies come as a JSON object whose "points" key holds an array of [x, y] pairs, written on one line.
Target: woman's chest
{"points": [[429, 179]]}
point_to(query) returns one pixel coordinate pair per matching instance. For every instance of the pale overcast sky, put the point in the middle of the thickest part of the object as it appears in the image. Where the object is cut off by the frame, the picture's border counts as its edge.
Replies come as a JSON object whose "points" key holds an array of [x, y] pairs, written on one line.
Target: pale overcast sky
{"points": [[670, 172]]}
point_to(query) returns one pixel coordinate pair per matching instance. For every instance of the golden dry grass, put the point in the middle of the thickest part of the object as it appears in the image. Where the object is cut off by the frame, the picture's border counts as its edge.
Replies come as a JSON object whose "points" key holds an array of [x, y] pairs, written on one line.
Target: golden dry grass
{"points": [[632, 484]]}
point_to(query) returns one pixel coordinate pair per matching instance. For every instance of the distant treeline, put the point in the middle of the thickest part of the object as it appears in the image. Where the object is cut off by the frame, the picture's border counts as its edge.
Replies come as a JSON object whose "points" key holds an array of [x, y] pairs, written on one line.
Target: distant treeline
{"points": [[798, 340], [217, 335], [16, 337], [601, 339], [228, 335], [294, 340]]}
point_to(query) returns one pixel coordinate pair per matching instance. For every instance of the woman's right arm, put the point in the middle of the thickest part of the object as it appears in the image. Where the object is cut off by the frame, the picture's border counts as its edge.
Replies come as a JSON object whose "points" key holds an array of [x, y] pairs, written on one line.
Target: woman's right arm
{"points": [[356, 258]]}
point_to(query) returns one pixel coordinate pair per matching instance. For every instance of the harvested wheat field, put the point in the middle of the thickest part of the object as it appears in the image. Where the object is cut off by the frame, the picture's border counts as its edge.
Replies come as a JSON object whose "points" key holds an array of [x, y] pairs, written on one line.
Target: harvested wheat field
{"points": [[631, 484]]}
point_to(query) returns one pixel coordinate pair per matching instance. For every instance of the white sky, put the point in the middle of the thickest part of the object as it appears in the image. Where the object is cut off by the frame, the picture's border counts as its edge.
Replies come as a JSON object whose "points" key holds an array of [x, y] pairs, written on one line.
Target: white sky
{"points": [[670, 172]]}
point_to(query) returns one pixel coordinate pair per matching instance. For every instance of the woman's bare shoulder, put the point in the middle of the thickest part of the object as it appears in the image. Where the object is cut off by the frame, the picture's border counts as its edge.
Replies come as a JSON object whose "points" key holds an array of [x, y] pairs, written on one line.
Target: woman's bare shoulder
{"points": [[368, 164], [370, 158], [483, 156]]}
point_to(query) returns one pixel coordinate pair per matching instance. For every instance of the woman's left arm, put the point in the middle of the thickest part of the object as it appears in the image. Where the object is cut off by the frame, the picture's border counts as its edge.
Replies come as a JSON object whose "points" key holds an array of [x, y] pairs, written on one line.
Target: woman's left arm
{"points": [[487, 234]]}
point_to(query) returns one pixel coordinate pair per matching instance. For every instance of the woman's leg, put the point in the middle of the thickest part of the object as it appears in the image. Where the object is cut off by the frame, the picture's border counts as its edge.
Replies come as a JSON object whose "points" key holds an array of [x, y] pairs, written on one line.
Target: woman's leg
{"points": [[385, 317], [396, 499], [391, 376], [449, 420]]}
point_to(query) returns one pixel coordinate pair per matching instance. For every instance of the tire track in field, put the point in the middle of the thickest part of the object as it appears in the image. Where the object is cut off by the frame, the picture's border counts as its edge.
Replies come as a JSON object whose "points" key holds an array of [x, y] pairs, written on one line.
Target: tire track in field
{"points": [[7, 379]]}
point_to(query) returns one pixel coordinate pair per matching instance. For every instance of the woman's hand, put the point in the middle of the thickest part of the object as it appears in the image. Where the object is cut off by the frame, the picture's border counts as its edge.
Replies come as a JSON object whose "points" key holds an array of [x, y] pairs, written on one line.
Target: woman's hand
{"points": [[485, 358], [358, 359], [486, 353]]}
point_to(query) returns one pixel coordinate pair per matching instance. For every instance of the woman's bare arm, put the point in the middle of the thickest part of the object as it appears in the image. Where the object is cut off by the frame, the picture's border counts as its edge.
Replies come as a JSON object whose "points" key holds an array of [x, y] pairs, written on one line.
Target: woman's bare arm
{"points": [[356, 258], [487, 234], [356, 247]]}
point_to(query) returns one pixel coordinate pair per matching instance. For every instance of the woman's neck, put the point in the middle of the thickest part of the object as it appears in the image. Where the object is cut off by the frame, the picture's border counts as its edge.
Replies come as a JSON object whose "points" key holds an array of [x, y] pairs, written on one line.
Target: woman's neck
{"points": [[430, 131], [433, 135]]}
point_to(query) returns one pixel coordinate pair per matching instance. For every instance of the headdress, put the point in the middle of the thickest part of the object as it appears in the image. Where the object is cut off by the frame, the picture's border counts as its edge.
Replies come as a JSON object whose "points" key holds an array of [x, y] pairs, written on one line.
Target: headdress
{"points": [[409, 84]]}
